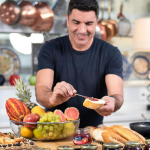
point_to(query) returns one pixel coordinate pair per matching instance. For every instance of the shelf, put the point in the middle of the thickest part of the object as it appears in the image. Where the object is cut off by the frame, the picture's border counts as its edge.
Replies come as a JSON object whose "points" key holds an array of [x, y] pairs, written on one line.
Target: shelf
{"points": [[129, 83], [136, 83]]}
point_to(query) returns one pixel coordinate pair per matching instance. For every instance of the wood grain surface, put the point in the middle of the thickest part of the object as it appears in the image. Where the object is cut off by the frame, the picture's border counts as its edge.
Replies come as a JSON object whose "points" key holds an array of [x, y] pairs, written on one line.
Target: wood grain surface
{"points": [[65, 142]]}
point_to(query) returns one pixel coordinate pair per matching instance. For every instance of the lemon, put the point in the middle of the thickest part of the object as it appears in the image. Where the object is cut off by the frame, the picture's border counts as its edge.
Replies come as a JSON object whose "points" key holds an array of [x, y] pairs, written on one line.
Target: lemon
{"points": [[25, 132], [38, 109], [38, 134]]}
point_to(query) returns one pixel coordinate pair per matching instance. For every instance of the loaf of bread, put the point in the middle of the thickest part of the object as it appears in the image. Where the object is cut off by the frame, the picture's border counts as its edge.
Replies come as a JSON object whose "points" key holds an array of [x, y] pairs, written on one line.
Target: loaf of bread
{"points": [[115, 133]]}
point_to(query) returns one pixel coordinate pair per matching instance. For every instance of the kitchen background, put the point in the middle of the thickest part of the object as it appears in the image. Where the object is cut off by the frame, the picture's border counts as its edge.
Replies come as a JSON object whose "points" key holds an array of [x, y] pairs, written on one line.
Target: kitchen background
{"points": [[19, 45]]}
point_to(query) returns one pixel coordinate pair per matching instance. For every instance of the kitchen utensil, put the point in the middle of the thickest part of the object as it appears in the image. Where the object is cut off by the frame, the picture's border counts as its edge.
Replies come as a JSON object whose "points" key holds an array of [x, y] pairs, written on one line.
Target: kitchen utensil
{"points": [[45, 17], [140, 64], [65, 129], [124, 25], [10, 12], [141, 127], [104, 30], [81, 95], [28, 13], [9, 62], [59, 7], [113, 24], [143, 115]]}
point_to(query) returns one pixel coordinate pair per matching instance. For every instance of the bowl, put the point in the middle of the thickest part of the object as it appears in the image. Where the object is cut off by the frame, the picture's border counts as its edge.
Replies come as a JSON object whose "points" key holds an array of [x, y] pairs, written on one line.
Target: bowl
{"points": [[44, 131]]}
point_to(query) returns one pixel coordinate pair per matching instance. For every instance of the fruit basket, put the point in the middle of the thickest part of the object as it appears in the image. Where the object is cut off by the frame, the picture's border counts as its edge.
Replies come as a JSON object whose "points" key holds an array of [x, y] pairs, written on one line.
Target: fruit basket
{"points": [[45, 131]]}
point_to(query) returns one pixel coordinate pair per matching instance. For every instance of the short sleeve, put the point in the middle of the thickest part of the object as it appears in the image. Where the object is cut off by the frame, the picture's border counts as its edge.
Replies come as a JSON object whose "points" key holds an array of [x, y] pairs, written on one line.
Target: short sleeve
{"points": [[46, 57], [115, 63]]}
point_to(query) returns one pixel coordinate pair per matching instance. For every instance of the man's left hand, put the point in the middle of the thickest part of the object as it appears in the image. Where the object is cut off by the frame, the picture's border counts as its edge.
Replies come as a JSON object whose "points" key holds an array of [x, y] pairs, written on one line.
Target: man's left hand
{"points": [[108, 108]]}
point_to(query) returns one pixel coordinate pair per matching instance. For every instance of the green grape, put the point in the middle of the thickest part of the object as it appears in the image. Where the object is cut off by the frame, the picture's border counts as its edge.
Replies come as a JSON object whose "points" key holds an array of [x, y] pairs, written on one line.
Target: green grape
{"points": [[54, 135], [41, 116], [57, 117], [43, 131], [57, 120], [50, 134], [59, 128], [51, 128], [46, 127], [40, 127], [55, 126], [41, 120], [61, 125], [46, 135]]}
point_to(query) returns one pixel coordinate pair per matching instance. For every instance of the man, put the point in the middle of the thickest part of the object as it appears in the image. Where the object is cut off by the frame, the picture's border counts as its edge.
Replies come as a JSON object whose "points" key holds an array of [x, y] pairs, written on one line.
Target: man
{"points": [[80, 63]]}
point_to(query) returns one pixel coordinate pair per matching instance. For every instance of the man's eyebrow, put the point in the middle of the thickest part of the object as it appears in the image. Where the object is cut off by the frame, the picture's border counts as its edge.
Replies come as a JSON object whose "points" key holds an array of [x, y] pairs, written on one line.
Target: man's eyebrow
{"points": [[86, 22]]}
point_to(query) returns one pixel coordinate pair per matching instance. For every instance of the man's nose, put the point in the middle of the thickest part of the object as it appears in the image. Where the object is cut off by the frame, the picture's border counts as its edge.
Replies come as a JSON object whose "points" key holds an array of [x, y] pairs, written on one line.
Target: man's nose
{"points": [[82, 28]]}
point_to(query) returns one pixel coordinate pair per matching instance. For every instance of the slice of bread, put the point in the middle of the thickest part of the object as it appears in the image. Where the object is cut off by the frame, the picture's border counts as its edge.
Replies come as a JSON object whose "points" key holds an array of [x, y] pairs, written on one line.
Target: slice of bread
{"points": [[93, 104]]}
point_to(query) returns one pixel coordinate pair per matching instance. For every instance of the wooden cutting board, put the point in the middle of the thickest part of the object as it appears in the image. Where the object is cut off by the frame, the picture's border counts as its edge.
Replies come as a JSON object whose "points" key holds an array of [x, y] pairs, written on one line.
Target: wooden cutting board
{"points": [[65, 142]]}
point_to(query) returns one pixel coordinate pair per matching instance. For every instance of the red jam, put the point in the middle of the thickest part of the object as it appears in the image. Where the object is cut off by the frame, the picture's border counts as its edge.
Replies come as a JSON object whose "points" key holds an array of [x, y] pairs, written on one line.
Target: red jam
{"points": [[91, 99], [82, 136], [132, 145], [147, 146]]}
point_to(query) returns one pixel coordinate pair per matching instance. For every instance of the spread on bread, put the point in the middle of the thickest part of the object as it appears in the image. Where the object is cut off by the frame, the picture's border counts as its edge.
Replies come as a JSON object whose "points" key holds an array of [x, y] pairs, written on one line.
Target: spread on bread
{"points": [[115, 133], [93, 103]]}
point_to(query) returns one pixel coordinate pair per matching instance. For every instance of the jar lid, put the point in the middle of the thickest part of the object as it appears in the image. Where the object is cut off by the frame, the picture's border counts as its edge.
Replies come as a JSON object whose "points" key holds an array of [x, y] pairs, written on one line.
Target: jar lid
{"points": [[111, 145], [65, 148], [89, 146], [147, 141], [82, 131], [132, 143]]}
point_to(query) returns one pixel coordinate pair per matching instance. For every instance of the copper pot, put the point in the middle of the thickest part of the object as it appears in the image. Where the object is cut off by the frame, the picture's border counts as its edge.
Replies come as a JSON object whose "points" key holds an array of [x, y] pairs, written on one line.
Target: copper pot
{"points": [[10, 12], [28, 13], [45, 17]]}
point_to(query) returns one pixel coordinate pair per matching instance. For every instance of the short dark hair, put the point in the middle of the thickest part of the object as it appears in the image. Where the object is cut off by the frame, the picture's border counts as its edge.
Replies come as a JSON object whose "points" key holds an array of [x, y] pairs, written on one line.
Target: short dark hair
{"points": [[83, 5]]}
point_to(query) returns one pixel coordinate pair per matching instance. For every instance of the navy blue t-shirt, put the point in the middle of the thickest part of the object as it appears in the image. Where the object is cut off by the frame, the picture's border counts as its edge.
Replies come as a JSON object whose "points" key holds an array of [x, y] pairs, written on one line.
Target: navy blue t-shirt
{"points": [[84, 70]]}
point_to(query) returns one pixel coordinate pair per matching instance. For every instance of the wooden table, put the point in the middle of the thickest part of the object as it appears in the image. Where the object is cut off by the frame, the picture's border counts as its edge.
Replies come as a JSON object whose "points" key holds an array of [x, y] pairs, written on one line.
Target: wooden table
{"points": [[65, 142]]}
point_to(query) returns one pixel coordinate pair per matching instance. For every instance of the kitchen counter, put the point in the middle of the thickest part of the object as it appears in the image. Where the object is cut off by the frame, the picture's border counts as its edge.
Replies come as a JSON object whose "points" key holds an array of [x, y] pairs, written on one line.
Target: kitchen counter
{"points": [[65, 142]]}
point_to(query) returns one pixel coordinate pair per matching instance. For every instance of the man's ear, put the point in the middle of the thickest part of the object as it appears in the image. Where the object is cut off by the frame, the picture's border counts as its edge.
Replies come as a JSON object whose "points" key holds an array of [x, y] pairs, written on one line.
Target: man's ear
{"points": [[67, 17]]}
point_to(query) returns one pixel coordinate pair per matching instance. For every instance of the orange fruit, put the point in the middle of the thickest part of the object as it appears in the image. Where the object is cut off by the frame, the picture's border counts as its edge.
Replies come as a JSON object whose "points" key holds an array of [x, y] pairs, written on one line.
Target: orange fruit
{"points": [[27, 133]]}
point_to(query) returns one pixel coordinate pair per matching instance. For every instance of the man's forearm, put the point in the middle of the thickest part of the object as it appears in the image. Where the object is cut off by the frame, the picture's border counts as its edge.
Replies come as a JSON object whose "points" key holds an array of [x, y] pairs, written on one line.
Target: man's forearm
{"points": [[118, 101], [43, 95]]}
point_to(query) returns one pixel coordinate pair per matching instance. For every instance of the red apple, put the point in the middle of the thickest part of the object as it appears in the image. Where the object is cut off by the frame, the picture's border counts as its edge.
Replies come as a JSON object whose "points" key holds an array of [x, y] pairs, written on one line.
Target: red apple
{"points": [[31, 118], [12, 79]]}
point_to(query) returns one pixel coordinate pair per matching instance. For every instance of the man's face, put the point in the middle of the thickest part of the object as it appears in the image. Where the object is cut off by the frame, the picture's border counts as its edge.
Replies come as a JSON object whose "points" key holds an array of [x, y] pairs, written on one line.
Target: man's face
{"points": [[81, 26]]}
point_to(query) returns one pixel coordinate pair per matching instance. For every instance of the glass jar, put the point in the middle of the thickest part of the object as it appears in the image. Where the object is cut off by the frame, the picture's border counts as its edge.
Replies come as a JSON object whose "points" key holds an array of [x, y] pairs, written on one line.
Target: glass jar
{"points": [[147, 146], [82, 136], [132, 145], [65, 148], [111, 146], [88, 147]]}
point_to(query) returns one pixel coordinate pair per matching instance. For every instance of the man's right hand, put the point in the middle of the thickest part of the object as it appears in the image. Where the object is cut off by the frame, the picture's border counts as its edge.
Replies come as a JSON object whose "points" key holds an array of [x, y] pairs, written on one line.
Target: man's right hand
{"points": [[61, 93]]}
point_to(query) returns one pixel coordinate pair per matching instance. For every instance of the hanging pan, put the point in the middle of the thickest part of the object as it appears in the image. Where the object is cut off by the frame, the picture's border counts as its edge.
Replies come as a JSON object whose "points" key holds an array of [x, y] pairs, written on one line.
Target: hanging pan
{"points": [[10, 12]]}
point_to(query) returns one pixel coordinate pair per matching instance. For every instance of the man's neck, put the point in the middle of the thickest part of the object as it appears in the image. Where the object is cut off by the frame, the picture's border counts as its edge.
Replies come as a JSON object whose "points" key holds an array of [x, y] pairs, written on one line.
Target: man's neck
{"points": [[81, 47]]}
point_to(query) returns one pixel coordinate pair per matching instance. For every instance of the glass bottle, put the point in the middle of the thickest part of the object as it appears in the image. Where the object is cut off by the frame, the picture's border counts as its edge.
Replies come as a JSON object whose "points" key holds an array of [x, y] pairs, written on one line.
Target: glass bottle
{"points": [[65, 148], [88, 147], [111, 146], [82, 136], [132, 145], [147, 146]]}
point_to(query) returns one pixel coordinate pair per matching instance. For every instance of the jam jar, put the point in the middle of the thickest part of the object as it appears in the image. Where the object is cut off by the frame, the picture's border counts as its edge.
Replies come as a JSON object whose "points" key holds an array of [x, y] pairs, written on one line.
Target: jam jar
{"points": [[132, 145], [111, 146], [65, 148], [88, 147], [82, 136], [147, 146]]}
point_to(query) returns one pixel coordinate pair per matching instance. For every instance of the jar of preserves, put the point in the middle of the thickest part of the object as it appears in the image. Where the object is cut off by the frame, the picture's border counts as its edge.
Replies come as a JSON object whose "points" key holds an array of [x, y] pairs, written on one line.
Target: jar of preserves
{"points": [[65, 148], [82, 136], [88, 147], [147, 146], [111, 146], [132, 145]]}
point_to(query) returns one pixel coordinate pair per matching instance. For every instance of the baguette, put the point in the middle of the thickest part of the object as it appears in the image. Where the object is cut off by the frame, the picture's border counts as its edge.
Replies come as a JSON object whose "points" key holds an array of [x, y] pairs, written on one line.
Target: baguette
{"points": [[107, 136], [128, 134], [92, 104]]}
